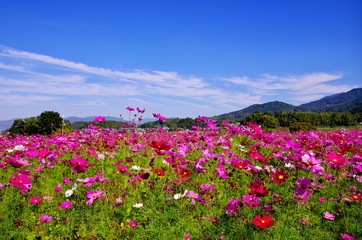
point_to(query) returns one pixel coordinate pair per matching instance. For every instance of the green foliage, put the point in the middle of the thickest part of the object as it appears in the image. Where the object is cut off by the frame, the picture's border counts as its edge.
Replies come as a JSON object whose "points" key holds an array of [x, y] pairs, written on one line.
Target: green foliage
{"points": [[47, 123], [301, 126], [265, 120]]}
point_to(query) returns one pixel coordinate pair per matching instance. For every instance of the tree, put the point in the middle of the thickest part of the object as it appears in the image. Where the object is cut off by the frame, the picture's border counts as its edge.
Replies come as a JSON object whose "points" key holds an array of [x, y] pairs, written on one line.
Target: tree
{"points": [[32, 125], [17, 127], [49, 122]]}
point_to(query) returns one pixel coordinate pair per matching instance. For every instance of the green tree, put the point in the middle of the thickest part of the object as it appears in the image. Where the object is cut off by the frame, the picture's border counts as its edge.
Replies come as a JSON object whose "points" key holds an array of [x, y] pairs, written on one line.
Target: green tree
{"points": [[49, 122], [17, 127], [32, 125]]}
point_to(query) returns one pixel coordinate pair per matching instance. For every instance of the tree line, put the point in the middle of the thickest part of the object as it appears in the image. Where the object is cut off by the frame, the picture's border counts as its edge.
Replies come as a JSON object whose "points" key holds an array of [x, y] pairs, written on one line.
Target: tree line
{"points": [[287, 119], [50, 122]]}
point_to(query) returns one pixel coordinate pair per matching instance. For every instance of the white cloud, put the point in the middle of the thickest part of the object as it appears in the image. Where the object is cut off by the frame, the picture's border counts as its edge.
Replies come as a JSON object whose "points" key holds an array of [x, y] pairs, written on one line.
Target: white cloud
{"points": [[315, 84], [40, 74], [19, 100]]}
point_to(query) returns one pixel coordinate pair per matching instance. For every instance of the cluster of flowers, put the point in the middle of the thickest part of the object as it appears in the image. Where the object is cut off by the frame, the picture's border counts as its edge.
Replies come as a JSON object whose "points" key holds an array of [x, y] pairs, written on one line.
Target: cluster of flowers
{"points": [[319, 154]]}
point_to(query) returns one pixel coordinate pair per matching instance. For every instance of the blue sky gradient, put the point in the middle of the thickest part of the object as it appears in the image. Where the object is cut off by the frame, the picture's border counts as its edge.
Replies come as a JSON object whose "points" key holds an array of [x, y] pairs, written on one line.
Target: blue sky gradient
{"points": [[178, 58]]}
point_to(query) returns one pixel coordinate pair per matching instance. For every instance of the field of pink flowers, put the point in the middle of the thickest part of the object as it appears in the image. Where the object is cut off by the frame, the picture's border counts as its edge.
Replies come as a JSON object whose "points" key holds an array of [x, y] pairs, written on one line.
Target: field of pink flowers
{"points": [[234, 182]]}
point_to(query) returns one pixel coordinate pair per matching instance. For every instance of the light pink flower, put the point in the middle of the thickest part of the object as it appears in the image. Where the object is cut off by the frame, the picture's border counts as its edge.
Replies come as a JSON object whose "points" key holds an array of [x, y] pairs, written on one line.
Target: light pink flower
{"points": [[329, 216]]}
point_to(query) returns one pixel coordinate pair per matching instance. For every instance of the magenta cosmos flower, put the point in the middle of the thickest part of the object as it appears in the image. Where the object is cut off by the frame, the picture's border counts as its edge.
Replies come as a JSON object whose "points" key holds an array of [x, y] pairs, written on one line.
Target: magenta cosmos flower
{"points": [[99, 119], [36, 200], [45, 218], [23, 182], [133, 224], [346, 236], [93, 195], [67, 205]]}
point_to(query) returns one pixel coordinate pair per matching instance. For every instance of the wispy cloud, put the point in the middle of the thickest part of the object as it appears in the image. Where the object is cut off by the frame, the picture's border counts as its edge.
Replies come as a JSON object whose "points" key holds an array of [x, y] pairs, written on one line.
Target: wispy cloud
{"points": [[12, 99], [27, 78], [33, 73], [303, 87]]}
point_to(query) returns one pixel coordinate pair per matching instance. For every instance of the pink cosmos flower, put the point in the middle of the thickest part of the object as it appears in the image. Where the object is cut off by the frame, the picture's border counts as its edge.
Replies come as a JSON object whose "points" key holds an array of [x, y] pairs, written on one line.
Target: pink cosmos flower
{"points": [[23, 182], [191, 194], [159, 116], [45, 218], [66, 180], [79, 164], [336, 158], [140, 111], [129, 108], [188, 236], [133, 223], [221, 172], [58, 188], [329, 216], [36, 200], [93, 195], [99, 119], [347, 237], [67, 205]]}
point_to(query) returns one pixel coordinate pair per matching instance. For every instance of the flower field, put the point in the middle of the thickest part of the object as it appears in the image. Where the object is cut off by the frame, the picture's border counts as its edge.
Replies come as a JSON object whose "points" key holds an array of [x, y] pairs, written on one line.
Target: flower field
{"points": [[235, 182]]}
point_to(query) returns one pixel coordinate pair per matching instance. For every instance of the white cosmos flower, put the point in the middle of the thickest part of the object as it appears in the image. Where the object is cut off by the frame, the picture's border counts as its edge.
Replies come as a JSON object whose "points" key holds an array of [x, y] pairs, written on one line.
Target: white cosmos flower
{"points": [[138, 205], [137, 168], [69, 193], [288, 165], [19, 147], [177, 196]]}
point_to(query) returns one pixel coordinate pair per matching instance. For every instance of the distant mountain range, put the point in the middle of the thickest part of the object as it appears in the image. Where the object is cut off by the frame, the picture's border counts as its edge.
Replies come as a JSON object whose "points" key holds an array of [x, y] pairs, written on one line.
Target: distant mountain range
{"points": [[350, 101]]}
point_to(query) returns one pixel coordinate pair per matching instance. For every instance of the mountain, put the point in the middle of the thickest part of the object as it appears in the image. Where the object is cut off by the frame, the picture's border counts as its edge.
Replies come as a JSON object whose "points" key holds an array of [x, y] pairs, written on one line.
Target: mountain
{"points": [[5, 124], [272, 107], [350, 101]]}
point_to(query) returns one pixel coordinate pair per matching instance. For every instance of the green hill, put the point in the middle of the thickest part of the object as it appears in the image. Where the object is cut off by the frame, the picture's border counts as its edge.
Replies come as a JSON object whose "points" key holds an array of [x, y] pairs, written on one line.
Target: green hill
{"points": [[350, 101], [272, 107]]}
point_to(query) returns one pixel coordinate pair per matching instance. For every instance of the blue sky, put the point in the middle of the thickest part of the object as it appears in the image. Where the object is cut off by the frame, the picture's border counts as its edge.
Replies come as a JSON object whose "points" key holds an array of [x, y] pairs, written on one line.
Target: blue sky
{"points": [[178, 58]]}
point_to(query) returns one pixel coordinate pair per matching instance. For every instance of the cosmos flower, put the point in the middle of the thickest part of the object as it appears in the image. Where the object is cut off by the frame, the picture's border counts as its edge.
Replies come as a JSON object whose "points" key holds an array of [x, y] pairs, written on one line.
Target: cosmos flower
{"points": [[280, 176], [93, 195], [347, 237], [67, 205], [99, 119], [138, 205], [263, 221], [22, 181], [45, 218], [133, 224], [36, 200], [329, 216]]}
